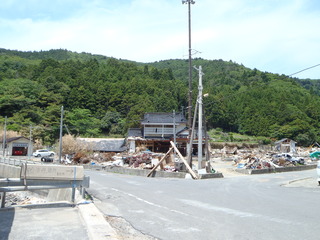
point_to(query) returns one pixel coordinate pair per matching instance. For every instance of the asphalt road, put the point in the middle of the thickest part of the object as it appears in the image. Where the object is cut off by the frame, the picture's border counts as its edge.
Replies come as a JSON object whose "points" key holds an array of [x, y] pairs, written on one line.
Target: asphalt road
{"points": [[238, 207]]}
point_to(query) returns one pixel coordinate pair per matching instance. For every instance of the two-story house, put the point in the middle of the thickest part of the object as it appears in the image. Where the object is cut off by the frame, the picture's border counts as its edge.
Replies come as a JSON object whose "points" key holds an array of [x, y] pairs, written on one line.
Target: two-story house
{"points": [[157, 130]]}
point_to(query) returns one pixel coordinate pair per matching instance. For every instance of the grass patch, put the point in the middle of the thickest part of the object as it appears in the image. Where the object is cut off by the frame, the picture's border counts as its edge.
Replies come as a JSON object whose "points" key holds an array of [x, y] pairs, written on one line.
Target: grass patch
{"points": [[217, 135]]}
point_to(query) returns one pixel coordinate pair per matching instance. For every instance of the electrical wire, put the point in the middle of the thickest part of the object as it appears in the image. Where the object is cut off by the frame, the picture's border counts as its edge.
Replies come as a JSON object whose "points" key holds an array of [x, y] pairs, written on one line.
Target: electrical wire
{"points": [[304, 70]]}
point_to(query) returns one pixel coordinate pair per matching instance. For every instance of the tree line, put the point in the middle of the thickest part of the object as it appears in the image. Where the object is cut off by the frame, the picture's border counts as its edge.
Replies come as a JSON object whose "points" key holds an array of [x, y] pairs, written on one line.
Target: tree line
{"points": [[105, 96]]}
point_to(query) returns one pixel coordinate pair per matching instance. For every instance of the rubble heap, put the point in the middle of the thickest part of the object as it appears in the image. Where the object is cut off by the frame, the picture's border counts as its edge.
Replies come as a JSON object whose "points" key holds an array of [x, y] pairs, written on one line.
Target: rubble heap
{"points": [[259, 159]]}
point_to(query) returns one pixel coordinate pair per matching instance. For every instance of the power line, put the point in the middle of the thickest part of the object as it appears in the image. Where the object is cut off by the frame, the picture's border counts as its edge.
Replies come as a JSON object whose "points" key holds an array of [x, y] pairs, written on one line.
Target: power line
{"points": [[304, 70]]}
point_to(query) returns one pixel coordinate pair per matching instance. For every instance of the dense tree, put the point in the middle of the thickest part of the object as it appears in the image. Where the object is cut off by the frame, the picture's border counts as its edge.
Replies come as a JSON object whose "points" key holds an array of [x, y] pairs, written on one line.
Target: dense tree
{"points": [[104, 95]]}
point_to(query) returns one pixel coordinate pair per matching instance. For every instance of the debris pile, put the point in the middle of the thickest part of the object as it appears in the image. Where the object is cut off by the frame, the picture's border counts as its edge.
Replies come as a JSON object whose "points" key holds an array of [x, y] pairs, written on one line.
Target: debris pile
{"points": [[267, 160], [135, 161], [243, 157], [147, 160], [21, 198], [141, 160]]}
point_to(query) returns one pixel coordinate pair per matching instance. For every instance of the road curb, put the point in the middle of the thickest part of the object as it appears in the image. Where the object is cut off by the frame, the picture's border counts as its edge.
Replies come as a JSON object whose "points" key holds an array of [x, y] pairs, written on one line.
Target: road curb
{"points": [[97, 225], [276, 170], [300, 179]]}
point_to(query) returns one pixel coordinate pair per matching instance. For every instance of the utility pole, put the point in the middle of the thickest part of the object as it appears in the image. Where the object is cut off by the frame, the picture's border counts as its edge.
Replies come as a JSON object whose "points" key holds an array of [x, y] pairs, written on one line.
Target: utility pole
{"points": [[174, 127], [200, 138], [67, 129], [189, 2], [60, 139], [4, 136], [30, 141]]}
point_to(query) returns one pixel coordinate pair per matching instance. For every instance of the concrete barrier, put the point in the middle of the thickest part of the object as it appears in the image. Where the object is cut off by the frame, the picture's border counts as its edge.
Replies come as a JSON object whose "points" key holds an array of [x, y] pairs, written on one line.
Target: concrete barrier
{"points": [[33, 171], [8, 171], [276, 170], [144, 172], [53, 172], [136, 172]]}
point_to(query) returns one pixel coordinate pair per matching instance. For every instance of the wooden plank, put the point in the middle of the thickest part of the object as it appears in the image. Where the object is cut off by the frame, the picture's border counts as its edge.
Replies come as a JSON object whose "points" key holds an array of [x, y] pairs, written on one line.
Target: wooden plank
{"points": [[162, 159], [193, 174]]}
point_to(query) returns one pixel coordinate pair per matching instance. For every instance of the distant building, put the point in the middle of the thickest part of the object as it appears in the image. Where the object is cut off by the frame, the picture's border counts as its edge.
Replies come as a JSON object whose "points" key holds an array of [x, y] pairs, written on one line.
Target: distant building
{"points": [[285, 145], [17, 146]]}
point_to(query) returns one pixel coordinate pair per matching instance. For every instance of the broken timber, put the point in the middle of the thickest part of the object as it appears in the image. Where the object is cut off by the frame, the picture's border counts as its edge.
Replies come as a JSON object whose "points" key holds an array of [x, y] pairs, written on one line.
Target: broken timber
{"points": [[163, 158], [193, 174]]}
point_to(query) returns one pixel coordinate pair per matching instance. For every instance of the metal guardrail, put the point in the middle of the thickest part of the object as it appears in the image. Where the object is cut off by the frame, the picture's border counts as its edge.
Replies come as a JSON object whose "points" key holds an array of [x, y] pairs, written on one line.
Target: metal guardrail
{"points": [[18, 184], [17, 162]]}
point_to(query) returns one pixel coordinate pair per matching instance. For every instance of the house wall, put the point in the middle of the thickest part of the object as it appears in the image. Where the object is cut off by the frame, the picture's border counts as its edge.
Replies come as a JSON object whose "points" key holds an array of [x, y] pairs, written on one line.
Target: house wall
{"points": [[161, 130]]}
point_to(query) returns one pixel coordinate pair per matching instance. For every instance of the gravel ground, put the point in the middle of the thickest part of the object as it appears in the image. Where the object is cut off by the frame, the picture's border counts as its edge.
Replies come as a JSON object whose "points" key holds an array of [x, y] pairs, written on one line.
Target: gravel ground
{"points": [[22, 198]]}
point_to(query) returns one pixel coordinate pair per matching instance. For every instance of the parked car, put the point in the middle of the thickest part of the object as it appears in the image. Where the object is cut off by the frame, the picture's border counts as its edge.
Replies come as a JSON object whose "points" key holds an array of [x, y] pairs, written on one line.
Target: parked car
{"points": [[43, 153], [46, 159]]}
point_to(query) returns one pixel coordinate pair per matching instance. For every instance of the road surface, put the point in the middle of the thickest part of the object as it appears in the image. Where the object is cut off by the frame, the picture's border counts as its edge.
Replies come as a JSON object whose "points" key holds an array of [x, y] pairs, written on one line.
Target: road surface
{"points": [[238, 207]]}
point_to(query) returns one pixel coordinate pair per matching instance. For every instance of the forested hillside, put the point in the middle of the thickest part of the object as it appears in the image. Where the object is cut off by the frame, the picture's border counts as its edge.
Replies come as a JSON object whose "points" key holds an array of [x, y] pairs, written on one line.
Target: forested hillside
{"points": [[103, 96]]}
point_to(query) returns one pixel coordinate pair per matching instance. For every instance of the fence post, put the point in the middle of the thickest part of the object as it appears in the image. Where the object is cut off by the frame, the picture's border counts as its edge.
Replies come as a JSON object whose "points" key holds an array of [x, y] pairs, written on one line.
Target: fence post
{"points": [[3, 199], [73, 193]]}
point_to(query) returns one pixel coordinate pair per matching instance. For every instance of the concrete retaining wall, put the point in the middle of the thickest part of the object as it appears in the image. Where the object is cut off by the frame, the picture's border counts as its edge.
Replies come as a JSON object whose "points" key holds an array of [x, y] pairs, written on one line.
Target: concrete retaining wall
{"points": [[210, 175], [275, 170], [144, 172], [136, 172]]}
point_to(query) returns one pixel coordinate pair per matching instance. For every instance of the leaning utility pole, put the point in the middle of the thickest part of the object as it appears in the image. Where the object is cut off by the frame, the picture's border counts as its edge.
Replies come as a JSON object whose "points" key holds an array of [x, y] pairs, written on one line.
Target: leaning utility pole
{"points": [[200, 138], [189, 2]]}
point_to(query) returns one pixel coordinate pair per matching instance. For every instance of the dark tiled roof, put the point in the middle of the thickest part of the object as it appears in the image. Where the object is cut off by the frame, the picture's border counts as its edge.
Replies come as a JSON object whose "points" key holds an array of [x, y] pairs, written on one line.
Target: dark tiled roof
{"points": [[107, 145], [110, 146], [150, 118], [8, 140], [135, 132]]}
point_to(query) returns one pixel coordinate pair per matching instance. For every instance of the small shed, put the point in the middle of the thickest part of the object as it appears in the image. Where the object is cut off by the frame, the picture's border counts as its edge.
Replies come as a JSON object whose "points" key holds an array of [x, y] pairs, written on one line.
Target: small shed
{"points": [[286, 145], [18, 146]]}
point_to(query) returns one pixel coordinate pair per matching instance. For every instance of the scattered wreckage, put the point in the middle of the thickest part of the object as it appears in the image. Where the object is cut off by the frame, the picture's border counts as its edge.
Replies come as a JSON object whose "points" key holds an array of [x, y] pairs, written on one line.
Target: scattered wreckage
{"points": [[262, 158], [273, 161], [243, 158], [143, 160]]}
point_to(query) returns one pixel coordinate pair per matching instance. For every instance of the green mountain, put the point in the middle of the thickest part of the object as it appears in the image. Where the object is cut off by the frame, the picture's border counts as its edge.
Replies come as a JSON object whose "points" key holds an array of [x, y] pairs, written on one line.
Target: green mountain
{"points": [[103, 96]]}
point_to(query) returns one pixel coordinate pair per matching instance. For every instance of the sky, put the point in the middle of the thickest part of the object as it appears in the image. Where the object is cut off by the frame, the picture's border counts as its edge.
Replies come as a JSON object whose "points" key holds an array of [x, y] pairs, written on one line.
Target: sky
{"points": [[277, 36]]}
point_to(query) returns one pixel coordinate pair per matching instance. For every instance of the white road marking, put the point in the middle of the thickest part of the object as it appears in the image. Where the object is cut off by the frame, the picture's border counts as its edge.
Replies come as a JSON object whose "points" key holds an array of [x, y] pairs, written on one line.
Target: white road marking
{"points": [[149, 203], [134, 183], [235, 212], [184, 230]]}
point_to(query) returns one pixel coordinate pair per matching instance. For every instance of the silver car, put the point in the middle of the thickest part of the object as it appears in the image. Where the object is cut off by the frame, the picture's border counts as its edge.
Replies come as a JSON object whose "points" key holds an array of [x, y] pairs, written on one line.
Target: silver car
{"points": [[43, 153]]}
